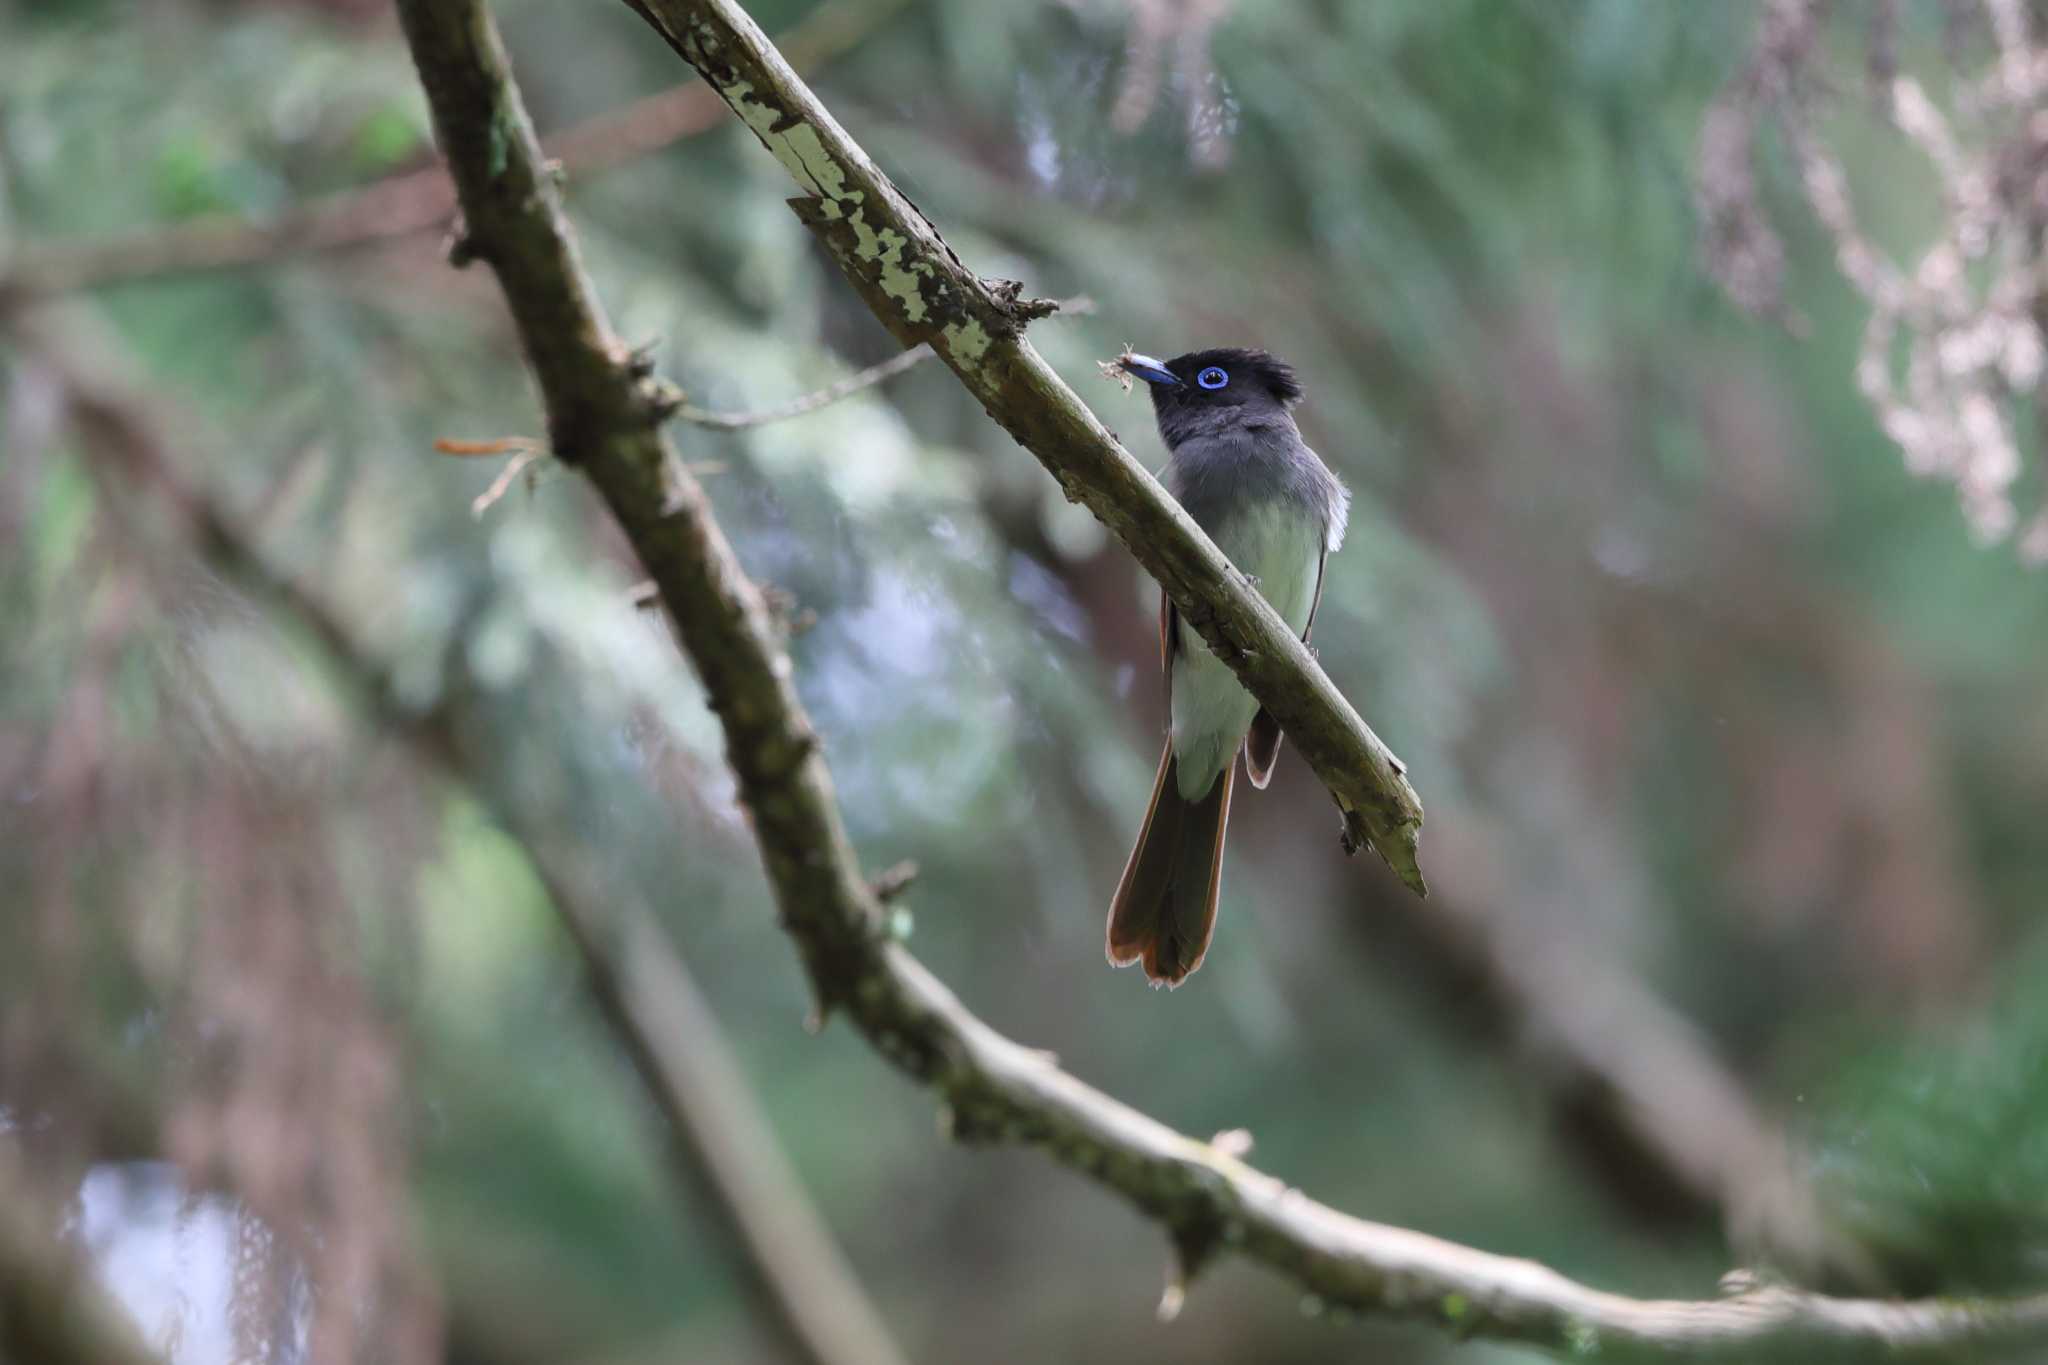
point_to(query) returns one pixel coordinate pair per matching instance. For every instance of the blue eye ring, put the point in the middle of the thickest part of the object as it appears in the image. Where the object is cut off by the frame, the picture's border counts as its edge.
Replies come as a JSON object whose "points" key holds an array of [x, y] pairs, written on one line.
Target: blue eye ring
{"points": [[1215, 377]]}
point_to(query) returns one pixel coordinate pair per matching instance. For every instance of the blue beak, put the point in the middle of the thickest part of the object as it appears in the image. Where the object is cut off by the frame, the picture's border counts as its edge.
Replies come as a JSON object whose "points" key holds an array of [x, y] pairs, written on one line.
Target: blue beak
{"points": [[1150, 370]]}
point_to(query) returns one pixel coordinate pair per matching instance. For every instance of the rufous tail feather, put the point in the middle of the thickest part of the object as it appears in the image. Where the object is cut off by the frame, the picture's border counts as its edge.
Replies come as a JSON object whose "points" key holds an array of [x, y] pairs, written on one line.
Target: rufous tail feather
{"points": [[1164, 910]]}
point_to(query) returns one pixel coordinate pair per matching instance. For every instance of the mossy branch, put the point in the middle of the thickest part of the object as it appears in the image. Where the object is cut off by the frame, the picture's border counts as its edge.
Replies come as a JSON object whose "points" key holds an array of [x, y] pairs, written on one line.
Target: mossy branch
{"points": [[994, 1089]]}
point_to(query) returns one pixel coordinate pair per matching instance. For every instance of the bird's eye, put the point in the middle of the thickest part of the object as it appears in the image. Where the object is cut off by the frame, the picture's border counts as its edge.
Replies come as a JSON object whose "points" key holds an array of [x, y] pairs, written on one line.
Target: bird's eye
{"points": [[1212, 378]]}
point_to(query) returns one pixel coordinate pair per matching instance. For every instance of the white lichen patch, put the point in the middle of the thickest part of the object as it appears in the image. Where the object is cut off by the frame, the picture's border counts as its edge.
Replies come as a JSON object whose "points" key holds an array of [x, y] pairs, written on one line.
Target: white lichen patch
{"points": [[800, 147], [812, 166], [897, 268], [967, 341], [803, 153]]}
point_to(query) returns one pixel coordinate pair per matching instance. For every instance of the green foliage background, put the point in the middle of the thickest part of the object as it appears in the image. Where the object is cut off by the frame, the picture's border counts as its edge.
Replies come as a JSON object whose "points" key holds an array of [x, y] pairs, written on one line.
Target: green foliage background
{"points": [[1635, 586]]}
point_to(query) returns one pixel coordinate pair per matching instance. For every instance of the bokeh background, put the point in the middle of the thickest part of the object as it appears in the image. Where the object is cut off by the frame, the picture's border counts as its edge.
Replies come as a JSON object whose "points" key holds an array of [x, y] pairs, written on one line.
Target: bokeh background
{"points": [[1732, 727]]}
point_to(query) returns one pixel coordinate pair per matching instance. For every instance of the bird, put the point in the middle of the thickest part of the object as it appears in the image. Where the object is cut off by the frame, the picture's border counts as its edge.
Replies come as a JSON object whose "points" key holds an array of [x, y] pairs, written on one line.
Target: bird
{"points": [[1241, 469]]}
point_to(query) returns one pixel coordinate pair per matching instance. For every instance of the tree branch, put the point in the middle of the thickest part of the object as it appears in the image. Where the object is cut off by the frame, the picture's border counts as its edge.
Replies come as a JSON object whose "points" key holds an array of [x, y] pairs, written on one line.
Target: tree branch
{"points": [[921, 292], [995, 1089]]}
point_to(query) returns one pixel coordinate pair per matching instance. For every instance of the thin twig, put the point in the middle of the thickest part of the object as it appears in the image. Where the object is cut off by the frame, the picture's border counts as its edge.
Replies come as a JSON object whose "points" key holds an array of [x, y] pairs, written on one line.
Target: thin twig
{"points": [[500, 486], [995, 1089], [496, 445], [810, 402], [1079, 306]]}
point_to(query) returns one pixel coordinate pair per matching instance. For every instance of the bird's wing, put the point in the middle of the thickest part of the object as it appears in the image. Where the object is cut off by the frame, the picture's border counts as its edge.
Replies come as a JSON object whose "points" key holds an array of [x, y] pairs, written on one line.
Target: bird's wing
{"points": [[1169, 624], [1317, 600], [1262, 744]]}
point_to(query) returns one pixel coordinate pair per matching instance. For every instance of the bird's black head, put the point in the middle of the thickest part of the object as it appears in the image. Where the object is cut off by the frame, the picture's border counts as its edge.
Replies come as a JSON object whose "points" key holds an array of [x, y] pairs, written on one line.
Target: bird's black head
{"points": [[1216, 388]]}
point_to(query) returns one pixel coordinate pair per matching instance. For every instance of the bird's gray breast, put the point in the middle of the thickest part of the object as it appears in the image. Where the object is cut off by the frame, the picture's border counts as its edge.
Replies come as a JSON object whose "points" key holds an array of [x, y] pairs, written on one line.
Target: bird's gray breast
{"points": [[1218, 475]]}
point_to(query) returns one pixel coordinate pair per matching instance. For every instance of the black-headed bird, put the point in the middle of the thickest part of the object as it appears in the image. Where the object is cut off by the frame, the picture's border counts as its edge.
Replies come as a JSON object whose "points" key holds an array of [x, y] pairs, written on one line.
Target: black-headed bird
{"points": [[1242, 471]]}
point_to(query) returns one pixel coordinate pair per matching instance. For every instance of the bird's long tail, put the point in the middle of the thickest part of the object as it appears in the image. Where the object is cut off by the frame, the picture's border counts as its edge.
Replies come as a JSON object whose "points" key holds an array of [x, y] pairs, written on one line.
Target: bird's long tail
{"points": [[1165, 907]]}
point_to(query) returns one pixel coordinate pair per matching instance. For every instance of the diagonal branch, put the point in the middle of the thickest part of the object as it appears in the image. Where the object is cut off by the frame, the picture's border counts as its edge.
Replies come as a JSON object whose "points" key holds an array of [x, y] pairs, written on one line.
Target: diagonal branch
{"points": [[995, 1089], [921, 292]]}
